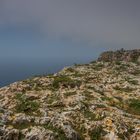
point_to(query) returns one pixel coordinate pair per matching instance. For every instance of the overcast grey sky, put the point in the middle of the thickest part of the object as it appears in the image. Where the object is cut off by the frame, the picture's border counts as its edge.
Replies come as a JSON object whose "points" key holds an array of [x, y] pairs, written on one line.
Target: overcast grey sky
{"points": [[107, 21], [64, 31]]}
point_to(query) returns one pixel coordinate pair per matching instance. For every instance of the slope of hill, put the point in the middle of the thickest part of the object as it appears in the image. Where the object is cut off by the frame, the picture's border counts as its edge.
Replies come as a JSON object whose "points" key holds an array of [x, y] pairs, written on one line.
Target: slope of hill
{"points": [[95, 101]]}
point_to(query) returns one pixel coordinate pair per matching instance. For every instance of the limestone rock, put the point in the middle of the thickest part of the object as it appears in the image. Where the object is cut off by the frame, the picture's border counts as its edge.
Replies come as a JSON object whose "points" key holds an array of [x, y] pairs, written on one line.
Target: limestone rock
{"points": [[96, 101]]}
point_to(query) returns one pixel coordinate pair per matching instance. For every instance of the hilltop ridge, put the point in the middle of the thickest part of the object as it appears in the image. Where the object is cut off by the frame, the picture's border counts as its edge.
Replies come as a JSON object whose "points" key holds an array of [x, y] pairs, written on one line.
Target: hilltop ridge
{"points": [[95, 101], [121, 55]]}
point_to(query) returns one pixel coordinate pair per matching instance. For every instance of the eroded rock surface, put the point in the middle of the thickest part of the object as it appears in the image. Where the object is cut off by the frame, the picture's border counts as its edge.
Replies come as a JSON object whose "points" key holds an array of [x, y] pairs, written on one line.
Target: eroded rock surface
{"points": [[121, 55], [96, 101]]}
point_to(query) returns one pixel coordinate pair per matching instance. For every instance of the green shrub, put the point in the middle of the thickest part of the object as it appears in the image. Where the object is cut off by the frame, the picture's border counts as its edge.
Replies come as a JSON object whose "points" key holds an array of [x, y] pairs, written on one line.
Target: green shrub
{"points": [[65, 81], [125, 89], [121, 67], [118, 62], [60, 133], [25, 105], [96, 133], [135, 72], [77, 74], [69, 94], [89, 115], [134, 82], [70, 69], [76, 65], [134, 106], [88, 95], [98, 67], [126, 134], [93, 62]]}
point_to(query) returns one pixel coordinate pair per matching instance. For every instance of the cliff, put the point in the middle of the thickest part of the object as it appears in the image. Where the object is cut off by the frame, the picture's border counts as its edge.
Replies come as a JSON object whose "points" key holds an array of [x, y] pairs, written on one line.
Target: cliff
{"points": [[95, 101], [121, 55]]}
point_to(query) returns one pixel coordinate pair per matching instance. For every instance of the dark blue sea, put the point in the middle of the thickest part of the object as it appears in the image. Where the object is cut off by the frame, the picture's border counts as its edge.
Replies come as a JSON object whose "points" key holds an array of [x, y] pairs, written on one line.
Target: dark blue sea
{"points": [[16, 70]]}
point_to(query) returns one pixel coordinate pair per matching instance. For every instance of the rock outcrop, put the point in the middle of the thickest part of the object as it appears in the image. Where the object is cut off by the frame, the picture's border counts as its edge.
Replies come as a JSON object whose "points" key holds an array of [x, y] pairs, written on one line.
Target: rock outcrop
{"points": [[95, 101], [121, 55]]}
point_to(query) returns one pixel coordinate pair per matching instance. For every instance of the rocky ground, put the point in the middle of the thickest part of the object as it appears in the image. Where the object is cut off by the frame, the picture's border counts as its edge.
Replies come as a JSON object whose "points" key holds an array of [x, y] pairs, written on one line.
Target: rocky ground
{"points": [[95, 101]]}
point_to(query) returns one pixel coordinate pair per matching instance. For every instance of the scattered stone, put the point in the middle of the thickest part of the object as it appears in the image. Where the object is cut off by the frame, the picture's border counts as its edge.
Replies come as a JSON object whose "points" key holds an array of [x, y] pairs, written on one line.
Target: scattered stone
{"points": [[96, 101]]}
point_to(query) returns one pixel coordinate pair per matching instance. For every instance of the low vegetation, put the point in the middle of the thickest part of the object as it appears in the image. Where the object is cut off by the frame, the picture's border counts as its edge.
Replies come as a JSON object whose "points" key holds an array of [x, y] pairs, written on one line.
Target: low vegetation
{"points": [[134, 106], [96, 133], [64, 81], [25, 105], [123, 89], [60, 133], [67, 94], [95, 101]]}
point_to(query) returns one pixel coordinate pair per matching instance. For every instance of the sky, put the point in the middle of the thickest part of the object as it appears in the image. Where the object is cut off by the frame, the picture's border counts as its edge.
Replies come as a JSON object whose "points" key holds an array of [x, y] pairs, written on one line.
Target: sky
{"points": [[43, 36]]}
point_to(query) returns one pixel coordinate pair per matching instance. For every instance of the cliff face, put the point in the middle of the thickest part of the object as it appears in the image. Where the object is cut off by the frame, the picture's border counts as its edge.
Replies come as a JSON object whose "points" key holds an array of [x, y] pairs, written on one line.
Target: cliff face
{"points": [[96, 101], [121, 55]]}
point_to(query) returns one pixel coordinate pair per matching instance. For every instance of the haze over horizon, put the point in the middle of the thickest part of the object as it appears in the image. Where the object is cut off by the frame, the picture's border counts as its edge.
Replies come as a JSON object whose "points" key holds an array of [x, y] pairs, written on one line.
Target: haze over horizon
{"points": [[43, 36]]}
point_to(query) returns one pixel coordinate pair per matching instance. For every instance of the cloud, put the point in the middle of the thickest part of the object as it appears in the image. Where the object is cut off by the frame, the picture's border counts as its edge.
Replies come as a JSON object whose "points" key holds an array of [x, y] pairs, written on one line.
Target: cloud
{"points": [[109, 22]]}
